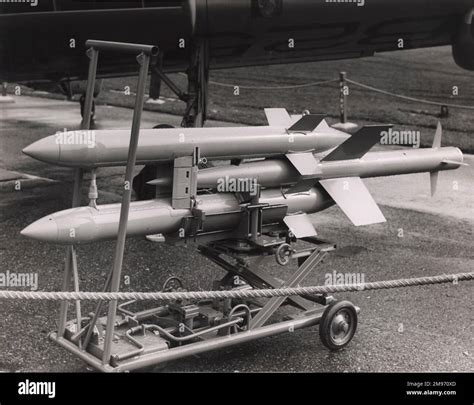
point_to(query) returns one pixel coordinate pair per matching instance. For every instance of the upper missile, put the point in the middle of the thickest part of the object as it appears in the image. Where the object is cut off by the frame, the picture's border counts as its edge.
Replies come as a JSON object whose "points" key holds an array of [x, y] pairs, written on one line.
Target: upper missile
{"points": [[90, 149]]}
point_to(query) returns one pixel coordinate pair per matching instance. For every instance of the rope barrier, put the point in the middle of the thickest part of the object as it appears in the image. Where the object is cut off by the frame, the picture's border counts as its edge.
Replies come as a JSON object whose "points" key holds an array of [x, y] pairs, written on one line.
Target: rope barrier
{"points": [[388, 93], [253, 293], [364, 86], [296, 86]]}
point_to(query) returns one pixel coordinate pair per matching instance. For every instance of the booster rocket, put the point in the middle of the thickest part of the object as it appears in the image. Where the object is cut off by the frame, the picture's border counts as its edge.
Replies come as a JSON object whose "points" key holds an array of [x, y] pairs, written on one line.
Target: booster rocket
{"points": [[222, 213]]}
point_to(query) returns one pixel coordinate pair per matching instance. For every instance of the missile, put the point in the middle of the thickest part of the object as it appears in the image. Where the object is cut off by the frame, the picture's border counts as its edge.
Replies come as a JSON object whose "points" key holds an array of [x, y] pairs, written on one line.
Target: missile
{"points": [[222, 212], [352, 158], [272, 173], [92, 149]]}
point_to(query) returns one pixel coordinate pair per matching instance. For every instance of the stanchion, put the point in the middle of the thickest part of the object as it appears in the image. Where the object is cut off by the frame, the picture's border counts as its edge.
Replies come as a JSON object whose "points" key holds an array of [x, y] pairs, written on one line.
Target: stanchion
{"points": [[5, 98], [343, 93]]}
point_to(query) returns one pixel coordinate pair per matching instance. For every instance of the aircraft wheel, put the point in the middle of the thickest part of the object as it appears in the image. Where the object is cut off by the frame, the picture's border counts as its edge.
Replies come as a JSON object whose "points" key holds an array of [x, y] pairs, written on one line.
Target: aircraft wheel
{"points": [[338, 325]]}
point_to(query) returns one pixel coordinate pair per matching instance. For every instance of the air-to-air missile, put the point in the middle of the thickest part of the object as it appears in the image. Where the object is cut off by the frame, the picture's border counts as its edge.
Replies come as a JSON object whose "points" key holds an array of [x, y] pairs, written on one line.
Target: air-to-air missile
{"points": [[276, 172], [100, 148], [315, 183]]}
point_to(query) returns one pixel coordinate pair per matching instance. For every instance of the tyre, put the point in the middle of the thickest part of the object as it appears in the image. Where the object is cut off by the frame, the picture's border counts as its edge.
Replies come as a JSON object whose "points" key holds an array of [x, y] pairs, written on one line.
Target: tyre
{"points": [[338, 325]]}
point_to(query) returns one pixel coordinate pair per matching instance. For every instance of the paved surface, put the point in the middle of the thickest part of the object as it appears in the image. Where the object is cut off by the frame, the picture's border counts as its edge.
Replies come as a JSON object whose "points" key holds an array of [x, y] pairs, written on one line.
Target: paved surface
{"points": [[418, 329]]}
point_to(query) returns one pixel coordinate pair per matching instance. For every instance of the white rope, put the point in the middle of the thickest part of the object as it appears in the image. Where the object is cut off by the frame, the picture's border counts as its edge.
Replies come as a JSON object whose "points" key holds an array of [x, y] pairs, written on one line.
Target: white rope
{"points": [[289, 87], [364, 86], [254, 293]]}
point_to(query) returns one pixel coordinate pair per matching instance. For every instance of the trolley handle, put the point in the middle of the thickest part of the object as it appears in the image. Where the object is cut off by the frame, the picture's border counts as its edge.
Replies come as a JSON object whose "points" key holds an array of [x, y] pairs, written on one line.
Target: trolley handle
{"points": [[150, 50]]}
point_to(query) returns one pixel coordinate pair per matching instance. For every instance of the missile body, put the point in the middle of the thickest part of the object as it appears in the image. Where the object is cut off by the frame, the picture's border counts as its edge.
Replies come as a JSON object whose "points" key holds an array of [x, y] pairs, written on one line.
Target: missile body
{"points": [[88, 224], [90, 149], [280, 172]]}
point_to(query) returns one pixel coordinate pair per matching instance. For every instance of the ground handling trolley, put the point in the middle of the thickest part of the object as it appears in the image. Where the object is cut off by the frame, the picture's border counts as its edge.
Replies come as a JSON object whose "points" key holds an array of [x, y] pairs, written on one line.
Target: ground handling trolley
{"points": [[131, 337]]}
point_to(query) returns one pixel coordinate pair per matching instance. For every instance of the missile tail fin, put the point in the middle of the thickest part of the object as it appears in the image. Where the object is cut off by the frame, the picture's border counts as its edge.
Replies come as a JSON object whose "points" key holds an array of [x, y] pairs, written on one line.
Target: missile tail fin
{"points": [[305, 163], [434, 182], [436, 144], [300, 225], [278, 117], [307, 123], [438, 136], [358, 144], [351, 195]]}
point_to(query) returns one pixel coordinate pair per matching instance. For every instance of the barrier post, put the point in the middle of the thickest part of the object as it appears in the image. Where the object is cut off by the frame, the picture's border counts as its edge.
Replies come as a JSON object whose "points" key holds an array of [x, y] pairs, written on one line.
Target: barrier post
{"points": [[343, 125], [5, 98]]}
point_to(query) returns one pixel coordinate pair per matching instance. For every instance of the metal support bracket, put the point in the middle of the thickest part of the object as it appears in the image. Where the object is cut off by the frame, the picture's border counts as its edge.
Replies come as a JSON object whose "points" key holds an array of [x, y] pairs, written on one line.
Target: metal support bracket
{"points": [[185, 181]]}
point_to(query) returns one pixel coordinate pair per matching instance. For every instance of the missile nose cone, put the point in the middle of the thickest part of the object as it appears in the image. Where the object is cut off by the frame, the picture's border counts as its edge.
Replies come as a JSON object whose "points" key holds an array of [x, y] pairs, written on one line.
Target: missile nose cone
{"points": [[46, 150], [45, 230]]}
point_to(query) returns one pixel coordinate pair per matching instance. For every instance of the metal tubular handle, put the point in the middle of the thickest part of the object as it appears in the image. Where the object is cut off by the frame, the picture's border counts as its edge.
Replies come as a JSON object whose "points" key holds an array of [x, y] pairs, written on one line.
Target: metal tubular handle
{"points": [[150, 50]]}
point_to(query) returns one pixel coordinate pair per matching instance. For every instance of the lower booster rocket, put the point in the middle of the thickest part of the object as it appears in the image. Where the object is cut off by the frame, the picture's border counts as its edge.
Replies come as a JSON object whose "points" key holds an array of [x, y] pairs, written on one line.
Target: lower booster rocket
{"points": [[222, 212]]}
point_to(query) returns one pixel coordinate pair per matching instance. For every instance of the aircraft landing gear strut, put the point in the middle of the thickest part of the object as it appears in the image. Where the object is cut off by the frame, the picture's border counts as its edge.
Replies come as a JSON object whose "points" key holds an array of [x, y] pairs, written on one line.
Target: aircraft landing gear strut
{"points": [[198, 78], [196, 97], [82, 102], [195, 114]]}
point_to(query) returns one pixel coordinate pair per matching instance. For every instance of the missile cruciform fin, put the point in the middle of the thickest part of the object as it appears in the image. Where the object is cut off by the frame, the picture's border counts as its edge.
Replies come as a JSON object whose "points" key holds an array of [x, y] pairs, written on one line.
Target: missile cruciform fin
{"points": [[300, 225], [308, 168], [305, 163], [438, 136], [434, 182], [436, 144], [352, 196], [278, 117], [308, 123], [358, 144]]}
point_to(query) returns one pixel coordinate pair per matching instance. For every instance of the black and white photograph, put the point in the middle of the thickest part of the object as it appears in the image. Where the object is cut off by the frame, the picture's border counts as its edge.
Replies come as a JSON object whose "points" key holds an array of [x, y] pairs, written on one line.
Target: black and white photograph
{"points": [[237, 187]]}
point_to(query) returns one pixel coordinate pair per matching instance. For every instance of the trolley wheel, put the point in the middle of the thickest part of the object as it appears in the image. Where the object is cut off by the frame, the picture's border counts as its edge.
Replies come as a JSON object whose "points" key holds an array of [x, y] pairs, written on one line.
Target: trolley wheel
{"points": [[283, 254], [338, 325]]}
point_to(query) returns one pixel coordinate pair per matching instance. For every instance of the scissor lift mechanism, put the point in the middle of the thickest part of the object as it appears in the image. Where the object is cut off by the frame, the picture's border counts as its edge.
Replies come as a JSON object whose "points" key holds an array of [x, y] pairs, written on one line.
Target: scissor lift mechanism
{"points": [[127, 339]]}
